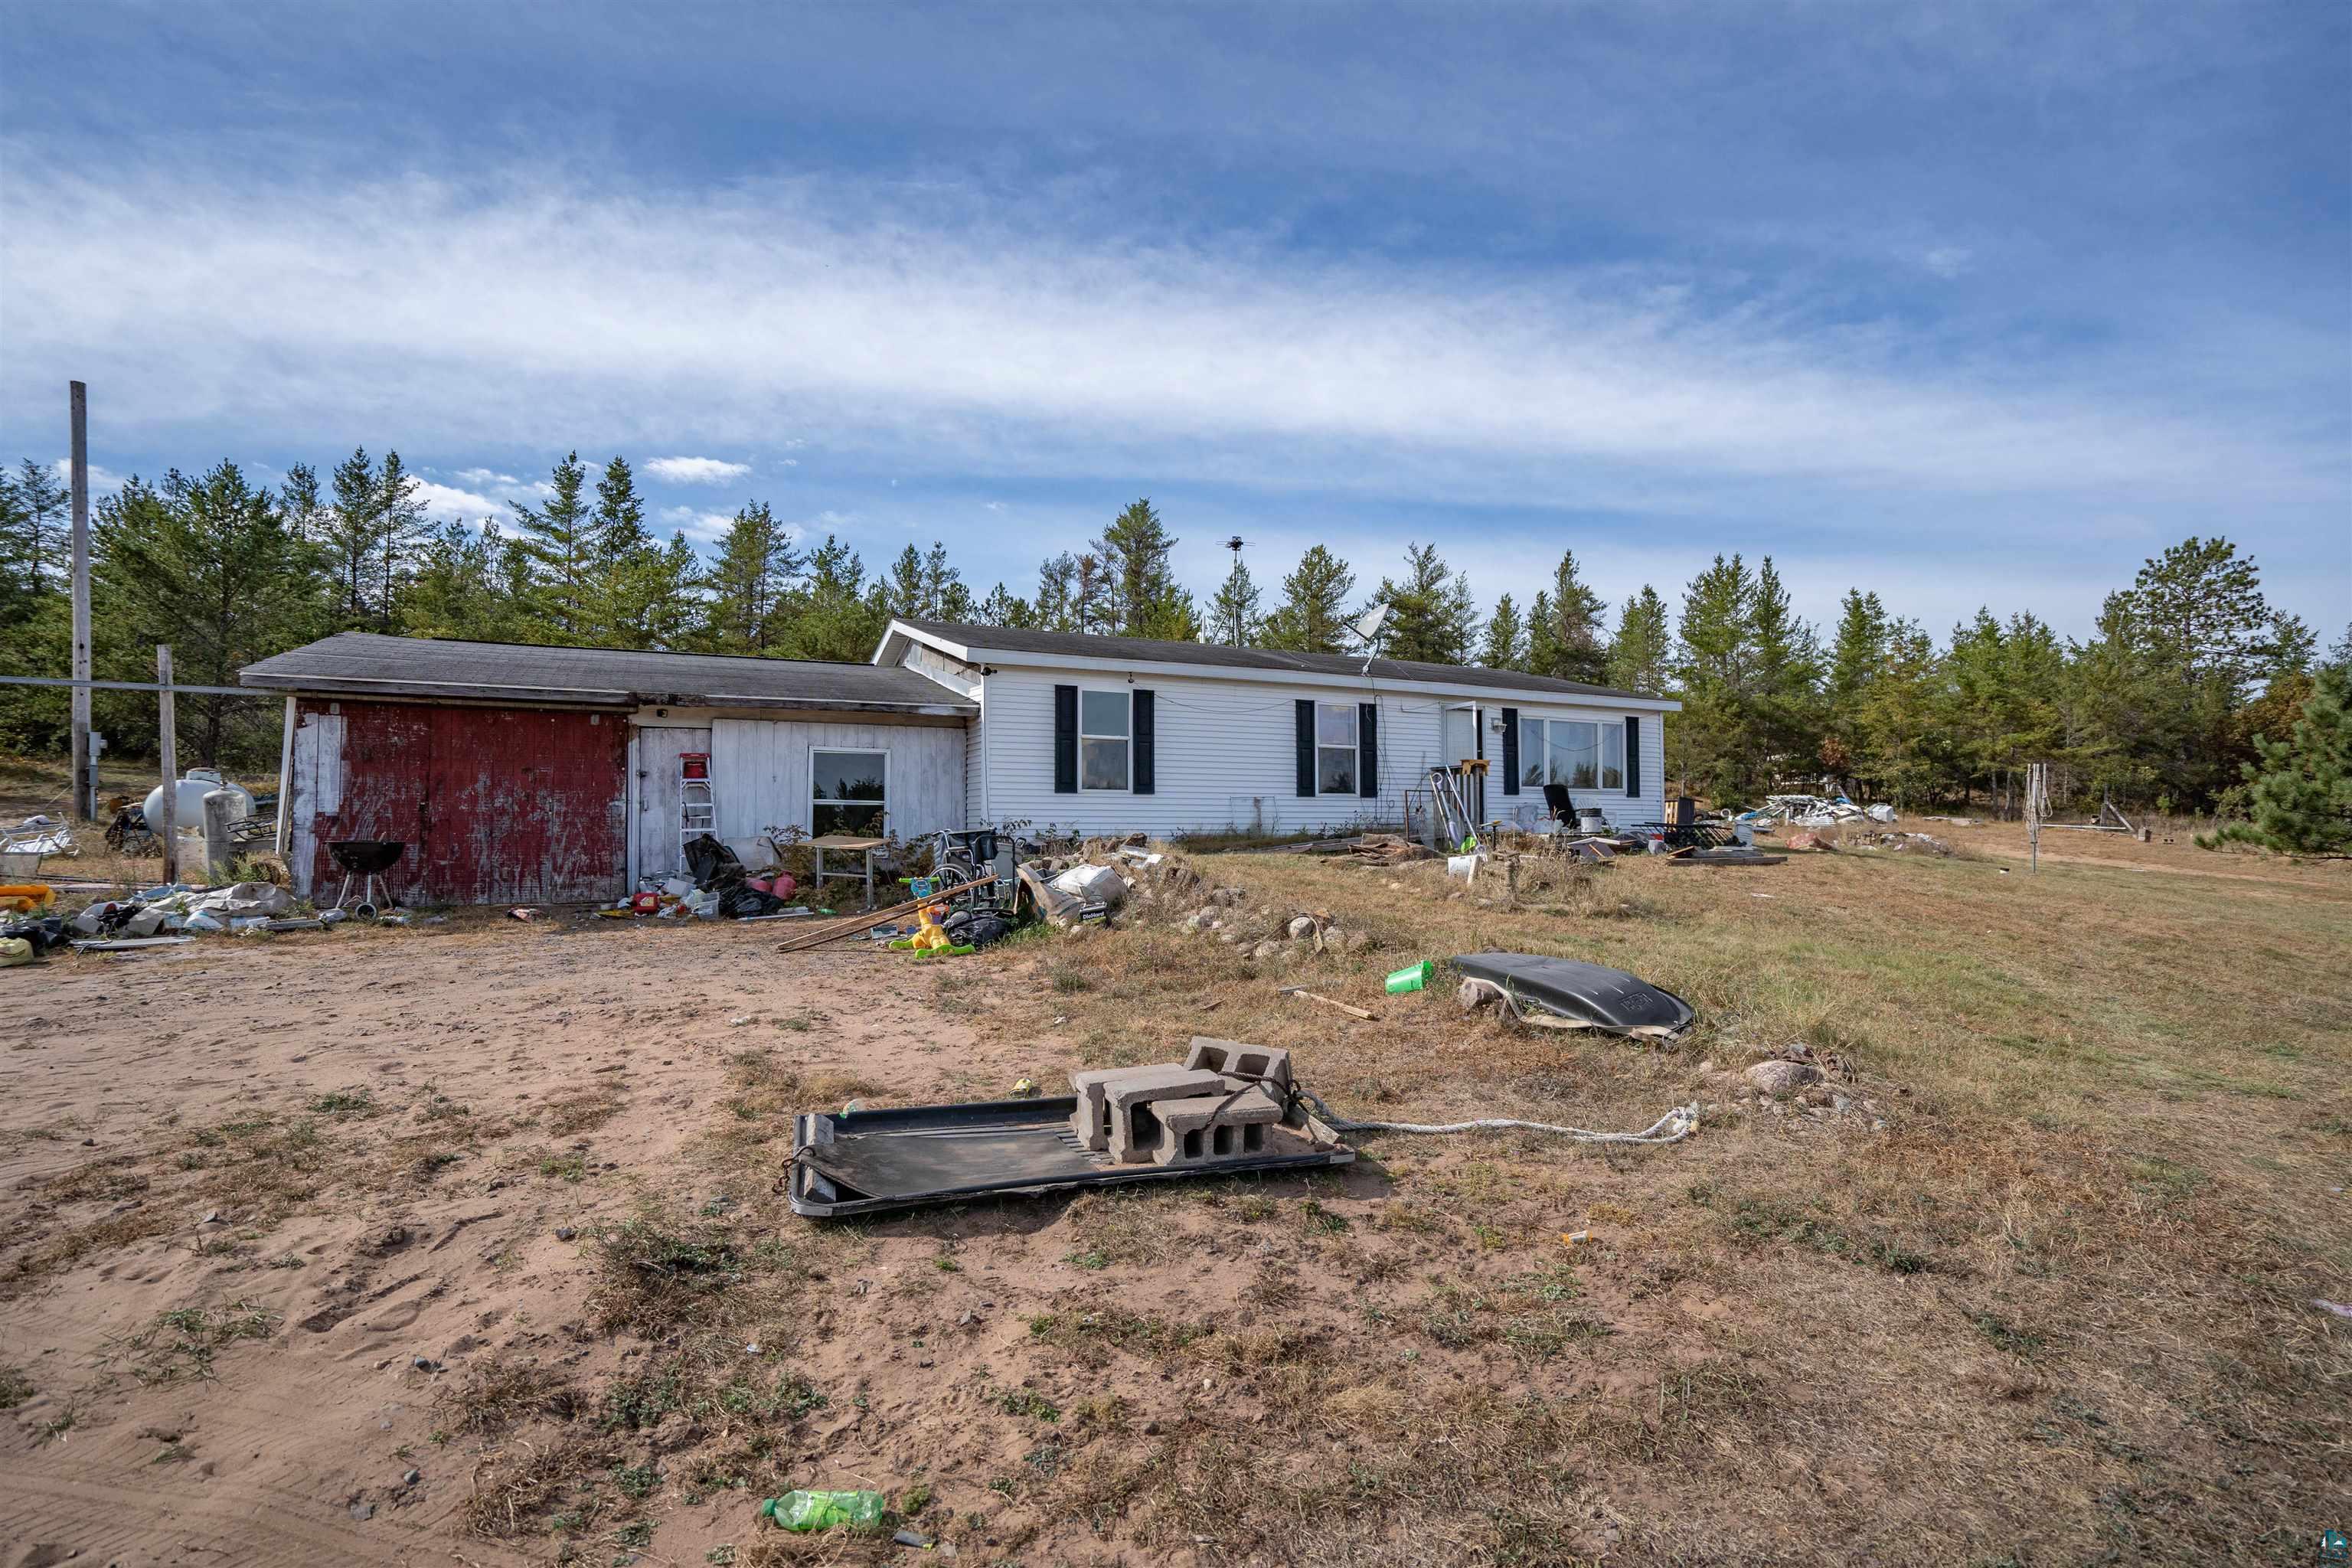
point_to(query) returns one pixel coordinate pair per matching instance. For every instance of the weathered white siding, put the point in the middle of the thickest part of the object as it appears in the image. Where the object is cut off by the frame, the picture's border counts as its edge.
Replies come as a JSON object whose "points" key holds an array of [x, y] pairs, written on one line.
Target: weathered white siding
{"points": [[965, 680], [760, 768], [654, 840], [1226, 755]]}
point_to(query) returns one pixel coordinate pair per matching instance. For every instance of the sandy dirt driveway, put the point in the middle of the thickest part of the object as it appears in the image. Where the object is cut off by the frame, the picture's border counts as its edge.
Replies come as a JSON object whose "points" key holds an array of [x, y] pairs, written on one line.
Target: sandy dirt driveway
{"points": [[373, 1154]]}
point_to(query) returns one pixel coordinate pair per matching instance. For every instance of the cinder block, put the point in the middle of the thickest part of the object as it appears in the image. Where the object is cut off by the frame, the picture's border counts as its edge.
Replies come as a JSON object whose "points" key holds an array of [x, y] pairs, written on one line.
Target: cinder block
{"points": [[1090, 1122], [1129, 1105], [1235, 1059], [1205, 1130]]}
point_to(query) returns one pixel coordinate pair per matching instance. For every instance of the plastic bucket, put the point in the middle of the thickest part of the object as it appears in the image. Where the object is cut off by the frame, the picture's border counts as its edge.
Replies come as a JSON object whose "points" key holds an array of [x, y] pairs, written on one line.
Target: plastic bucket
{"points": [[1412, 978]]}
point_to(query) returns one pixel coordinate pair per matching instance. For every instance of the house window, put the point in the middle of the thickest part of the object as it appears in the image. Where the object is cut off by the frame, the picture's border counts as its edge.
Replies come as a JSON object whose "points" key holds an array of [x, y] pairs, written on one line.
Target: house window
{"points": [[1335, 756], [1106, 725], [850, 793], [1571, 751]]}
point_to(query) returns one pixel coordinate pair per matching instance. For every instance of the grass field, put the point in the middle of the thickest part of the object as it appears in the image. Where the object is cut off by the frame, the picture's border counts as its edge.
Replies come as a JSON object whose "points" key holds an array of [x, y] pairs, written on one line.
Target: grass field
{"points": [[2040, 1291], [2060, 1308]]}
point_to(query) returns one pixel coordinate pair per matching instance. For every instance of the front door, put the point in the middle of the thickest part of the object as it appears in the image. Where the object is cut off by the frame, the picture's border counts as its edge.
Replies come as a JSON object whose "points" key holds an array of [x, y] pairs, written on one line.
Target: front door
{"points": [[654, 842]]}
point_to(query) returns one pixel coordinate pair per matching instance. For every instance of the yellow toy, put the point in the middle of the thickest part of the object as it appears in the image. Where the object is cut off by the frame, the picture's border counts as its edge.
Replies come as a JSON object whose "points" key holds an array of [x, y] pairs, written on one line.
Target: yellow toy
{"points": [[929, 941]]}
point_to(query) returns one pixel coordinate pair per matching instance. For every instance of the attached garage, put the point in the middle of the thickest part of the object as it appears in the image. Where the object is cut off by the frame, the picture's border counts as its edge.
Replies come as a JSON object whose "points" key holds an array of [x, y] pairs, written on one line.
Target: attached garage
{"points": [[516, 774]]}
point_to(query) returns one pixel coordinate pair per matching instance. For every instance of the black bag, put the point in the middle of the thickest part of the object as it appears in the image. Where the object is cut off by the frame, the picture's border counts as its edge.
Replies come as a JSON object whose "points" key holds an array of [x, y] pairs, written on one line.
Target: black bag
{"points": [[969, 928], [711, 864]]}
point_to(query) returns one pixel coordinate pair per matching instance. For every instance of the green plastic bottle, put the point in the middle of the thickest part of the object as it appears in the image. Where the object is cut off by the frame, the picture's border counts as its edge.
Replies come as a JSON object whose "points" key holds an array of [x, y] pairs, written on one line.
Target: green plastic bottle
{"points": [[824, 1511]]}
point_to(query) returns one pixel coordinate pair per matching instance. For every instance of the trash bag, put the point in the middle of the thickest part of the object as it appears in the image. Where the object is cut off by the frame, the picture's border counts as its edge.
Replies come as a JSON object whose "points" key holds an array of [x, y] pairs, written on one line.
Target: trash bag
{"points": [[741, 899], [711, 864]]}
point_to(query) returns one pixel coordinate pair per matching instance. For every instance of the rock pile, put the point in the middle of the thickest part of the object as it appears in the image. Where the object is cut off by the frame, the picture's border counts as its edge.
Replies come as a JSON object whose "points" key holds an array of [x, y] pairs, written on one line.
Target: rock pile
{"points": [[1792, 1080], [1171, 891]]}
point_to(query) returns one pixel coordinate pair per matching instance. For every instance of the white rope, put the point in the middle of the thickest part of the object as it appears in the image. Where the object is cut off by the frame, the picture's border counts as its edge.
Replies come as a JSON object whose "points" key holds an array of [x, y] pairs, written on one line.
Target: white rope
{"points": [[1672, 1128]]}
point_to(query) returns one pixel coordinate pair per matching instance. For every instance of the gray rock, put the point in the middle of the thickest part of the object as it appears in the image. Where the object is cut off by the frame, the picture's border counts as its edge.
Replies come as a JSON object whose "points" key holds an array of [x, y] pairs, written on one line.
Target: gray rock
{"points": [[412, 1477], [1301, 927], [364, 1511], [1782, 1077]]}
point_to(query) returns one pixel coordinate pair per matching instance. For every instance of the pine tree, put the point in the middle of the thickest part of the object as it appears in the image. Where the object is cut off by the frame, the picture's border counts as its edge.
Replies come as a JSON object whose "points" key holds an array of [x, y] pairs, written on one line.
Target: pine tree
{"points": [[207, 566], [1641, 653], [2301, 787], [1234, 616], [35, 616], [943, 587], [748, 582], [1568, 641], [1784, 706], [558, 539], [669, 596], [1003, 608], [835, 614], [1094, 597], [41, 502], [399, 525], [1144, 599], [348, 531], [1716, 746], [1506, 643], [301, 505], [1432, 617], [464, 586], [627, 575], [1313, 614], [1055, 607]]}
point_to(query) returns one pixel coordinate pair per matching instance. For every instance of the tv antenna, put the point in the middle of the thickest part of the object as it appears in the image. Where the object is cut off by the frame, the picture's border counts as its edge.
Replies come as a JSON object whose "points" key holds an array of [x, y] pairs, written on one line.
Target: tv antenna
{"points": [[1235, 545]]}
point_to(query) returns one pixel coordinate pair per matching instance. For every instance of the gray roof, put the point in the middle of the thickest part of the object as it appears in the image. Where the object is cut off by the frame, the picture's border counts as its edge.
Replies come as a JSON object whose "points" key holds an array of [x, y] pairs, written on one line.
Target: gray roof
{"points": [[1144, 650], [363, 664]]}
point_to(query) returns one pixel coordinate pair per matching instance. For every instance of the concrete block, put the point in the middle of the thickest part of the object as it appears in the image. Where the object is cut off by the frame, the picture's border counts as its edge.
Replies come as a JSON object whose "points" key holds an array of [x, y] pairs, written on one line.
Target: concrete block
{"points": [[1238, 1060], [1090, 1122], [1128, 1105], [1206, 1130]]}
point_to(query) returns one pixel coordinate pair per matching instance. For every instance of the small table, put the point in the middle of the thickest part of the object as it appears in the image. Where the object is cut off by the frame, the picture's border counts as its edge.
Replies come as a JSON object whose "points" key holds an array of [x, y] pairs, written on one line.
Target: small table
{"points": [[862, 847]]}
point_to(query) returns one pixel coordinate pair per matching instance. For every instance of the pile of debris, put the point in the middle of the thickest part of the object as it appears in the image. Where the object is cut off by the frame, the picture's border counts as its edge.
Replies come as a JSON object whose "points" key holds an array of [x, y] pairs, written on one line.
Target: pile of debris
{"points": [[1809, 811], [38, 835], [169, 916]]}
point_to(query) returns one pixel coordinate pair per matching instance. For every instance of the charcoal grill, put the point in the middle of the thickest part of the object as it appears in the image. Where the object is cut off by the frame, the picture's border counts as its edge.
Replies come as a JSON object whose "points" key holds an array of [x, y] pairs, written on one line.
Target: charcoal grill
{"points": [[366, 858]]}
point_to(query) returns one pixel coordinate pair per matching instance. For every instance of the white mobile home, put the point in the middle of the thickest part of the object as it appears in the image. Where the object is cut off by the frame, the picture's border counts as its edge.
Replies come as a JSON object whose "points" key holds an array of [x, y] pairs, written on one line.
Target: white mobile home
{"points": [[507, 773], [1118, 735]]}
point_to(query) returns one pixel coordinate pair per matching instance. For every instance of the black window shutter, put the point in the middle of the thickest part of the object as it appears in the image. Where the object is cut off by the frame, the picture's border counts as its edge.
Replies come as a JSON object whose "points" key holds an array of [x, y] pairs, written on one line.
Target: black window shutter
{"points": [[1367, 750], [1143, 780], [1305, 746], [1066, 740], [1632, 757], [1510, 751]]}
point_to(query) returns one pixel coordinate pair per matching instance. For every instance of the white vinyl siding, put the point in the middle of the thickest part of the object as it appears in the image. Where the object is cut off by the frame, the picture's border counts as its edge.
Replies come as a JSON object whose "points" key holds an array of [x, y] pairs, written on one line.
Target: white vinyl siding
{"points": [[1226, 756]]}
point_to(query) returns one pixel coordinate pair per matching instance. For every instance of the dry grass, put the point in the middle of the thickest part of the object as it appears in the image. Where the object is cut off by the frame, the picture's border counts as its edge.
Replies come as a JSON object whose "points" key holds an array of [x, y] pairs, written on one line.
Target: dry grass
{"points": [[2090, 1233]]}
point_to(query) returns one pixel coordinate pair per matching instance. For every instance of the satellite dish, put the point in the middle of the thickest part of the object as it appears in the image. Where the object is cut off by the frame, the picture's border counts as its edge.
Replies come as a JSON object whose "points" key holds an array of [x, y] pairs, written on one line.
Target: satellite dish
{"points": [[1368, 625]]}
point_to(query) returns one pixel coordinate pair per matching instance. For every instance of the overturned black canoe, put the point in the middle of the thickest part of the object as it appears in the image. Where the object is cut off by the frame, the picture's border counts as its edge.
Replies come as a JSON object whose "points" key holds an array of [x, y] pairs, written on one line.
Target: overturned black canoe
{"points": [[1568, 993]]}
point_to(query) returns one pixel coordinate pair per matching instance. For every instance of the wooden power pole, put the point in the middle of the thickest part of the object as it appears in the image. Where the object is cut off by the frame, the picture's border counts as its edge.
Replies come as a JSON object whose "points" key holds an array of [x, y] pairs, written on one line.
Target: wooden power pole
{"points": [[85, 767], [168, 740]]}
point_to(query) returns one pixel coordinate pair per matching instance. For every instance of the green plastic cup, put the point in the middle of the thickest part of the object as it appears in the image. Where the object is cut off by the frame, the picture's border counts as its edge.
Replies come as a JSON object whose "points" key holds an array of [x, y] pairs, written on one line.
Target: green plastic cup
{"points": [[1412, 978]]}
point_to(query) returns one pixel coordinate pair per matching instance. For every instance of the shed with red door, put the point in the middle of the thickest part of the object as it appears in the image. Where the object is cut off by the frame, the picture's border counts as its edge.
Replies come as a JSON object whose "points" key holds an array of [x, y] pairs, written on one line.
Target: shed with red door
{"points": [[520, 773]]}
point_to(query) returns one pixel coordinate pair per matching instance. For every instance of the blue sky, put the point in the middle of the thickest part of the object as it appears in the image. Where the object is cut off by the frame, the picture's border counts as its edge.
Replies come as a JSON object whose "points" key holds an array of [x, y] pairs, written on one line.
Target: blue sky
{"points": [[1967, 303]]}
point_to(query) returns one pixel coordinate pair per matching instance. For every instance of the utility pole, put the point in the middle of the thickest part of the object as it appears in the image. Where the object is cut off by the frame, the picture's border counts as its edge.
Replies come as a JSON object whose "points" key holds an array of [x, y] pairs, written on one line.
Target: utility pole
{"points": [[85, 767], [168, 739]]}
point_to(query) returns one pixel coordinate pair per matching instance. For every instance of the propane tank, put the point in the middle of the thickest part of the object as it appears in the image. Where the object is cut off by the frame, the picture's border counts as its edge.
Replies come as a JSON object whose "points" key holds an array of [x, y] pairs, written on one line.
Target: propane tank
{"points": [[189, 798]]}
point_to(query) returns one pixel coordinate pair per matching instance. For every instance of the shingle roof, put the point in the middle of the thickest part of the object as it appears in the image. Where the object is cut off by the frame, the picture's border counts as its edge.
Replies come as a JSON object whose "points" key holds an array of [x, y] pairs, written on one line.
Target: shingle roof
{"points": [[365, 664], [1144, 650]]}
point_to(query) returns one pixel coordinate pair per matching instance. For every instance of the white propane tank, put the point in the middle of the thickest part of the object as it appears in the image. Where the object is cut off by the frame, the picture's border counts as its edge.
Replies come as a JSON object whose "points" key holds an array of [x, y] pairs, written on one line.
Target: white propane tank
{"points": [[189, 799]]}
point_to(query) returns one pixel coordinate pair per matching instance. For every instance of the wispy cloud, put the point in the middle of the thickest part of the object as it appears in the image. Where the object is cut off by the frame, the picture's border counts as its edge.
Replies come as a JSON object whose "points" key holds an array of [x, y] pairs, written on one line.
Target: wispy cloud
{"points": [[1021, 352], [698, 523], [696, 470], [488, 478]]}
